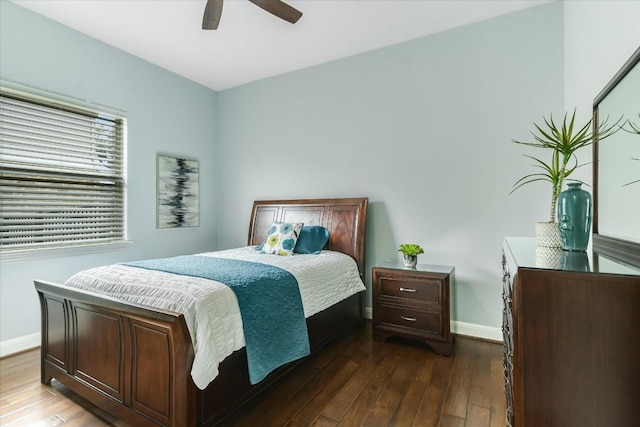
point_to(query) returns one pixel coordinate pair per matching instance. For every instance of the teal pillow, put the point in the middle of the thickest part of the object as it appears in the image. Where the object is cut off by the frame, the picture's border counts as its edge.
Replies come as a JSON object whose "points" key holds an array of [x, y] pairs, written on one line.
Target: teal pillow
{"points": [[281, 238], [312, 239]]}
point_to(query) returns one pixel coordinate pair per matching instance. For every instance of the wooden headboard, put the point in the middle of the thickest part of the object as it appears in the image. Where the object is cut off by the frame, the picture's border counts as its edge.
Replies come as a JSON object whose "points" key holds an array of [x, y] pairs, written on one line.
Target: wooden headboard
{"points": [[344, 218]]}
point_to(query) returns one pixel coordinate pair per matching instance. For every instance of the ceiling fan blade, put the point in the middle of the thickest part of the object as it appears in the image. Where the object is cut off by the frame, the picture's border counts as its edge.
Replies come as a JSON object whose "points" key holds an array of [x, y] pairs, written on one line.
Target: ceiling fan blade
{"points": [[212, 14], [279, 9]]}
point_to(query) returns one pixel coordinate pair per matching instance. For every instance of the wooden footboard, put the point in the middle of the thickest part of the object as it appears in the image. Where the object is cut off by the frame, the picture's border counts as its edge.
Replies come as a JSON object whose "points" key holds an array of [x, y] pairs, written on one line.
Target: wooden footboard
{"points": [[131, 361], [135, 363]]}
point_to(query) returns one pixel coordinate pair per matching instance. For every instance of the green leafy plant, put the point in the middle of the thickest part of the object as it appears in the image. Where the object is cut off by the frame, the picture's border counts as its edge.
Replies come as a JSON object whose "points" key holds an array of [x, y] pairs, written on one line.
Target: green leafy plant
{"points": [[410, 249], [563, 141]]}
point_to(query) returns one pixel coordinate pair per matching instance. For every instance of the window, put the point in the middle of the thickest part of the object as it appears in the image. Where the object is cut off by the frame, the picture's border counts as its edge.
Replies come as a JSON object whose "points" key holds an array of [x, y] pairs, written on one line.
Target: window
{"points": [[61, 174]]}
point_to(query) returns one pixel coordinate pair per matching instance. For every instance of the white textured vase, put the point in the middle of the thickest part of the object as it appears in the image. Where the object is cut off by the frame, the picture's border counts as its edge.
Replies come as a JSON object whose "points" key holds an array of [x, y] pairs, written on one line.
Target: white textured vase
{"points": [[549, 257], [548, 235]]}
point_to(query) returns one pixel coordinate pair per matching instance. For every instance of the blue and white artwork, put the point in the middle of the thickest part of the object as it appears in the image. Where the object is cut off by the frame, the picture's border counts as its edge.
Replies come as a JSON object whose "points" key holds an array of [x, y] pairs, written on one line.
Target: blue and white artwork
{"points": [[178, 197]]}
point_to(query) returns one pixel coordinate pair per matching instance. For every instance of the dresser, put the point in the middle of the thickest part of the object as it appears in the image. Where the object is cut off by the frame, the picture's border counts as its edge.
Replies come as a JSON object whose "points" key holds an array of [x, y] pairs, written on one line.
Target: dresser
{"points": [[413, 303], [571, 325]]}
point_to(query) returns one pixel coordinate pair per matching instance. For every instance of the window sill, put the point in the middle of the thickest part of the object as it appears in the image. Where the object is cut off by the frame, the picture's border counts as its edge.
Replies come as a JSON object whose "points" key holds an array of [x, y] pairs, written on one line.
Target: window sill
{"points": [[48, 253]]}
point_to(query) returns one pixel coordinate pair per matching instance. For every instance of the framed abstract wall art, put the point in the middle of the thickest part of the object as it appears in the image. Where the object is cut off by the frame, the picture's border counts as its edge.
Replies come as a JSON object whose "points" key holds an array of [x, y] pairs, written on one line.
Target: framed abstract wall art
{"points": [[178, 199]]}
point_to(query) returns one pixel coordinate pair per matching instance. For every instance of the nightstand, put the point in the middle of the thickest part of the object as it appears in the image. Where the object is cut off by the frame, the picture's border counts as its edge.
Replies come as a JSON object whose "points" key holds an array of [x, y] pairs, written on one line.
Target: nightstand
{"points": [[413, 303]]}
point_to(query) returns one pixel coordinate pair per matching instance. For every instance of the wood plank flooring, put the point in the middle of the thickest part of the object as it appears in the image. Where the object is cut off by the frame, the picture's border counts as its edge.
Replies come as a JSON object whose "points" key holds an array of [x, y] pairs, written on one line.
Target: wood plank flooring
{"points": [[353, 382]]}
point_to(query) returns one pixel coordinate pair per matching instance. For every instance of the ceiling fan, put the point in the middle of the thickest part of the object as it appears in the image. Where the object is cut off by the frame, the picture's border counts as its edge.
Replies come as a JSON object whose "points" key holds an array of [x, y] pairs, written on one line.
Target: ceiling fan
{"points": [[213, 11]]}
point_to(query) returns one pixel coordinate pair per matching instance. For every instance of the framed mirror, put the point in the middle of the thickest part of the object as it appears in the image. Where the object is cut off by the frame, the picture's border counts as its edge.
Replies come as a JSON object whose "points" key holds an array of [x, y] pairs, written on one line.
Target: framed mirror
{"points": [[616, 167]]}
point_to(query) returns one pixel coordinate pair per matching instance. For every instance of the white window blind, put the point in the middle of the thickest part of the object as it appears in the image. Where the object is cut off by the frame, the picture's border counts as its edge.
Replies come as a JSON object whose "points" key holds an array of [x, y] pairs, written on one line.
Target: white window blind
{"points": [[61, 174]]}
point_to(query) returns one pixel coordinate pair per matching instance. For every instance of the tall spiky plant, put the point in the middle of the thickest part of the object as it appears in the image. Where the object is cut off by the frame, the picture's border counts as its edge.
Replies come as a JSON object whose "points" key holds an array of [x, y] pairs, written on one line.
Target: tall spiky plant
{"points": [[563, 142]]}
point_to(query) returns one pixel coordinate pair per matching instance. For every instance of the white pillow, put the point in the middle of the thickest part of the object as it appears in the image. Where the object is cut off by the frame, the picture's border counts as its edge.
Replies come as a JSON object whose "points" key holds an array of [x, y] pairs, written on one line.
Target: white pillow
{"points": [[282, 238]]}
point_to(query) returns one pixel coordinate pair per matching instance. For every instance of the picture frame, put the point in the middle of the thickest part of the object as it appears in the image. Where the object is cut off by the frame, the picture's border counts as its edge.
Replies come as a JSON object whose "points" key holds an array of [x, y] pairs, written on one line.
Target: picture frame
{"points": [[178, 193]]}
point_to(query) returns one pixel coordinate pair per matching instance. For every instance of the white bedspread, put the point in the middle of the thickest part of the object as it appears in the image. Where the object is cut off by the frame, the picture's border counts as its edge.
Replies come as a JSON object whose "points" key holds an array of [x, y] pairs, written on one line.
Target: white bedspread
{"points": [[210, 308]]}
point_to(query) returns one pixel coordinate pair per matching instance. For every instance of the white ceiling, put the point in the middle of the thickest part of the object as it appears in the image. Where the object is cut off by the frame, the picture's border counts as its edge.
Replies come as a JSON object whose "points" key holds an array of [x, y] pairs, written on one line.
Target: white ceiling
{"points": [[251, 44]]}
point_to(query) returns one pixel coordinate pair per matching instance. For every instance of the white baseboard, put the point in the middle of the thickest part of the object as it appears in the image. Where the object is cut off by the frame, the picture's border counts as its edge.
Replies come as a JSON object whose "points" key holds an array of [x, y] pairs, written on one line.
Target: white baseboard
{"points": [[19, 344], [463, 328], [368, 313], [476, 331]]}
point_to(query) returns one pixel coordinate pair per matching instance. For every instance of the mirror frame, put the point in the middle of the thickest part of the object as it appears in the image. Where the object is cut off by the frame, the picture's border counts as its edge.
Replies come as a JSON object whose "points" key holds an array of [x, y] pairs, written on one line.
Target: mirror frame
{"points": [[613, 247]]}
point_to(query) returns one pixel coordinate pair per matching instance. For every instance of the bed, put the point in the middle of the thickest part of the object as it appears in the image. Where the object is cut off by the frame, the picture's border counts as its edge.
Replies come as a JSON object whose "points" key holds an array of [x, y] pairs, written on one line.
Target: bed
{"points": [[135, 362]]}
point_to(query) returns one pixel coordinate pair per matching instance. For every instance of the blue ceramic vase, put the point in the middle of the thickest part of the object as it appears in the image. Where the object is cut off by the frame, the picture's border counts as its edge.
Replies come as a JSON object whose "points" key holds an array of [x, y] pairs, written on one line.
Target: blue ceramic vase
{"points": [[574, 217]]}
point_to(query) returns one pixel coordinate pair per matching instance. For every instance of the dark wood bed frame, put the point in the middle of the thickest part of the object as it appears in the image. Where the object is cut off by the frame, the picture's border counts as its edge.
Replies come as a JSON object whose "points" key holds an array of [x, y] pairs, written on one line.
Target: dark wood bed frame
{"points": [[134, 361]]}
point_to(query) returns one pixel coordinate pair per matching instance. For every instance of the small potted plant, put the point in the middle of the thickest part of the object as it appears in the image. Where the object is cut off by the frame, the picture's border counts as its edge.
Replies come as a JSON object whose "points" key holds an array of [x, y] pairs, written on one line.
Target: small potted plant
{"points": [[563, 141], [410, 252]]}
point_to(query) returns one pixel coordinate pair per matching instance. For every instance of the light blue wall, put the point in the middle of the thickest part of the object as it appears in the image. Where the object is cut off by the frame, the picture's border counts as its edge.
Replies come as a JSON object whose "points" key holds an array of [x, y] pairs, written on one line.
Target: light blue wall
{"points": [[423, 129], [166, 114]]}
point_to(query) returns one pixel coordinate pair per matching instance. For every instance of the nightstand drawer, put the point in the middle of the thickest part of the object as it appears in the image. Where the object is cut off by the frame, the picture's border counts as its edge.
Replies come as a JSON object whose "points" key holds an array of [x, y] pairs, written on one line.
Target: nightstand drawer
{"points": [[423, 290], [421, 322]]}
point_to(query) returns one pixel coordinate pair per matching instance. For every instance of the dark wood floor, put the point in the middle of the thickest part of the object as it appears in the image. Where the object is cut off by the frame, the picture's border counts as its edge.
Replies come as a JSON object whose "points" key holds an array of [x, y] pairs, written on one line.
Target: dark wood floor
{"points": [[353, 382]]}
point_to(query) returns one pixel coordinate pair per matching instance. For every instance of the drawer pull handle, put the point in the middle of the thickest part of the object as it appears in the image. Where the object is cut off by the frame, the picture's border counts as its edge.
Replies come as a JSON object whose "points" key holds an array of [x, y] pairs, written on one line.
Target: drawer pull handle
{"points": [[408, 319], [407, 290]]}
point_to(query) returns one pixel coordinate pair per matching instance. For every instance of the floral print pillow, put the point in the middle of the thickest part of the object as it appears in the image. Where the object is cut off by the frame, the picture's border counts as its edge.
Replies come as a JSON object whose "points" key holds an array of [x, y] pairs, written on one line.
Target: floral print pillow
{"points": [[282, 238]]}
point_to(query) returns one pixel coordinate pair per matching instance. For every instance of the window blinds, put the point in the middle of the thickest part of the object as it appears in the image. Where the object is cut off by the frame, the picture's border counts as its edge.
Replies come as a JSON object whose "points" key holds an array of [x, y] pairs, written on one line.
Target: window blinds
{"points": [[61, 175]]}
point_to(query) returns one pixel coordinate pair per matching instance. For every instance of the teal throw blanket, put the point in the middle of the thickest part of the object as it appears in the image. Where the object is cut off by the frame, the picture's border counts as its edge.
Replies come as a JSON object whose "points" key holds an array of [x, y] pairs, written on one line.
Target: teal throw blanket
{"points": [[275, 328]]}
